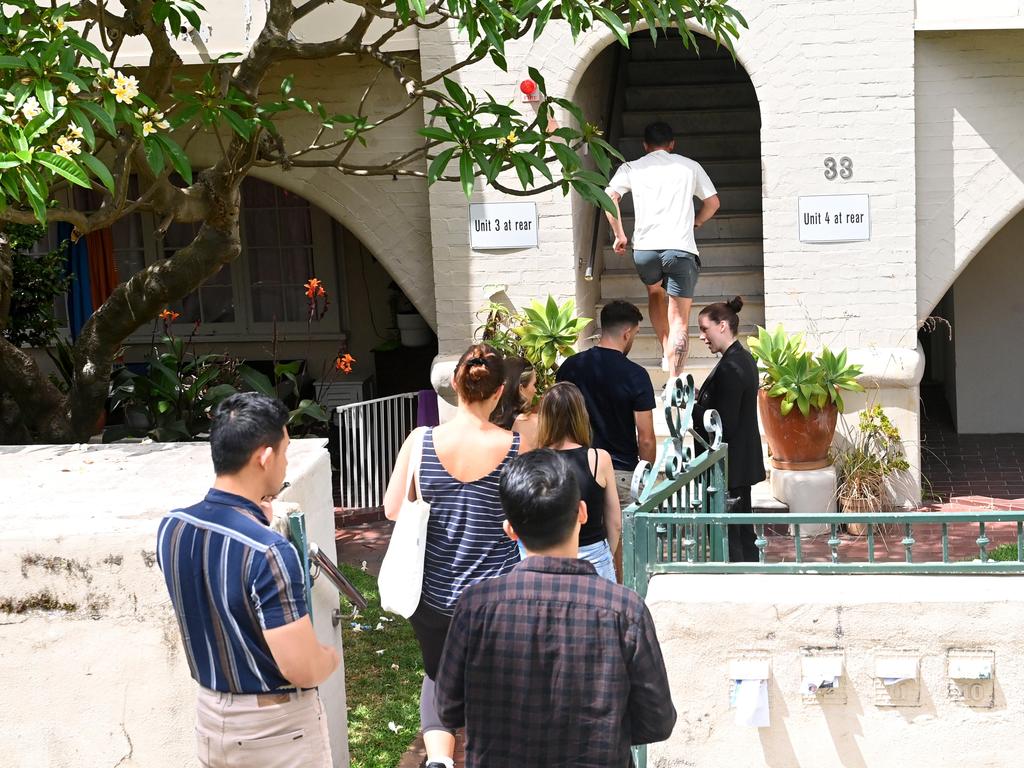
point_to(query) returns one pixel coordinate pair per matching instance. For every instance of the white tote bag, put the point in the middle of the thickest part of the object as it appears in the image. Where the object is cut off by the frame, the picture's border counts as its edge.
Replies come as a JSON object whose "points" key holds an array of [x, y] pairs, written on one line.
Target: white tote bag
{"points": [[401, 572]]}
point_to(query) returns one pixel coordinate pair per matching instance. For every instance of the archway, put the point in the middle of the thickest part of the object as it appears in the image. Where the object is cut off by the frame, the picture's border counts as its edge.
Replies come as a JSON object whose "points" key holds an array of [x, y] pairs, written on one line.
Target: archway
{"points": [[710, 102]]}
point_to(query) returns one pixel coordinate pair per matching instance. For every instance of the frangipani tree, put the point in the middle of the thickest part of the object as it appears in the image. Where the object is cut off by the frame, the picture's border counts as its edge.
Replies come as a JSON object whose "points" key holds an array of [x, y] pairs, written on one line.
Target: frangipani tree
{"points": [[70, 115]]}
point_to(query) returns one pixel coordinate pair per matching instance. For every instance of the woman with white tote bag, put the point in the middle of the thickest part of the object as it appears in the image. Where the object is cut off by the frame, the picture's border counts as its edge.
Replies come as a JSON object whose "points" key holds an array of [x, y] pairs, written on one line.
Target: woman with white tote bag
{"points": [[459, 465]]}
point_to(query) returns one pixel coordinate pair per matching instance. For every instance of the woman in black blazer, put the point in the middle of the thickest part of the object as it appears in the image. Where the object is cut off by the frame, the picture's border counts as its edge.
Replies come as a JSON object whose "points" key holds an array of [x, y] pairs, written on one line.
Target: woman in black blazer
{"points": [[731, 389]]}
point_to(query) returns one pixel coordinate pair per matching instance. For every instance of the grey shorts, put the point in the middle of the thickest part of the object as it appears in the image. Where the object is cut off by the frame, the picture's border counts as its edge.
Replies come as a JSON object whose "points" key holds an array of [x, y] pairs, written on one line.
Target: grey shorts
{"points": [[677, 271]]}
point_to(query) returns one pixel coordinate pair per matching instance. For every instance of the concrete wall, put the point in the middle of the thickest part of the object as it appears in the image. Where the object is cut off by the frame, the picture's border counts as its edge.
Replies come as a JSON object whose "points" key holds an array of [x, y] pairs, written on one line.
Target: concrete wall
{"points": [[989, 336], [706, 622], [104, 681], [970, 151]]}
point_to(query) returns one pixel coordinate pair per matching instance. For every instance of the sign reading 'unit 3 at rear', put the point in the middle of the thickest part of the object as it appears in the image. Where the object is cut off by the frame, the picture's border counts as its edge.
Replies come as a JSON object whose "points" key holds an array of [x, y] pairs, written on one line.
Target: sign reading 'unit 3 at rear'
{"points": [[502, 225], [834, 218]]}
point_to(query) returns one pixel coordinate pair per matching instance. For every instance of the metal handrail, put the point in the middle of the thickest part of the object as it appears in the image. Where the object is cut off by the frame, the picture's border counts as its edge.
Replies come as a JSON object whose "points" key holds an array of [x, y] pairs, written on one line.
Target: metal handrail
{"points": [[613, 135]]}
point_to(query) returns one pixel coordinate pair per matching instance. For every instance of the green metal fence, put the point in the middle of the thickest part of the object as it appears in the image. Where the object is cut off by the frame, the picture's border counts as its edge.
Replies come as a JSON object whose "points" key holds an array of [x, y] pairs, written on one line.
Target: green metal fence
{"points": [[678, 522]]}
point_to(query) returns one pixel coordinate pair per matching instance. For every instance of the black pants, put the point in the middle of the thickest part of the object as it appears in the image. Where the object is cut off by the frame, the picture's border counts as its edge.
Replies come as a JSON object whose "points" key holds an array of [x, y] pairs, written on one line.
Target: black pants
{"points": [[431, 630], [742, 548]]}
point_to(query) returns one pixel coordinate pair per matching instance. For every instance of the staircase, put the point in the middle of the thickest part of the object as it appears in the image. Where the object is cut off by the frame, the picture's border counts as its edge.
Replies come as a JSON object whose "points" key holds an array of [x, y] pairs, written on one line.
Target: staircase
{"points": [[710, 103]]}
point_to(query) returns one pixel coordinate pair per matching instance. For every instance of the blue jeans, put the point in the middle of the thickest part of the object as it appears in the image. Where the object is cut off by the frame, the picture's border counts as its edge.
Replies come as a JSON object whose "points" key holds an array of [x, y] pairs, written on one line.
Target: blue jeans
{"points": [[600, 556]]}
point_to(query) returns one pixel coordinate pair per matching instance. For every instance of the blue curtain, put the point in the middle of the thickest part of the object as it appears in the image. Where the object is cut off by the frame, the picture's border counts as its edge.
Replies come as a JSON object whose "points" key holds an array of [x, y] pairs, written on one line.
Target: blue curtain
{"points": [[80, 291]]}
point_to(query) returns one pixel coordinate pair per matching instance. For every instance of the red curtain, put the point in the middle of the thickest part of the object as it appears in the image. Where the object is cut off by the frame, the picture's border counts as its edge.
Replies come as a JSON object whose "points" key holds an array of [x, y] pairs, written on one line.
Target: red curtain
{"points": [[102, 267]]}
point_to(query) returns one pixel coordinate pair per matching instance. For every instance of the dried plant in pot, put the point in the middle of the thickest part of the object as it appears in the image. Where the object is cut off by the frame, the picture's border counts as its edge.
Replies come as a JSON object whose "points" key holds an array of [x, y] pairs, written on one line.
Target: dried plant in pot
{"points": [[873, 454]]}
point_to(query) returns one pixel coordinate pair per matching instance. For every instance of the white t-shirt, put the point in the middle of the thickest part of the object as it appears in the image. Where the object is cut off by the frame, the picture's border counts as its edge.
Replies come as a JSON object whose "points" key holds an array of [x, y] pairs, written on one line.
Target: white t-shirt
{"points": [[663, 187]]}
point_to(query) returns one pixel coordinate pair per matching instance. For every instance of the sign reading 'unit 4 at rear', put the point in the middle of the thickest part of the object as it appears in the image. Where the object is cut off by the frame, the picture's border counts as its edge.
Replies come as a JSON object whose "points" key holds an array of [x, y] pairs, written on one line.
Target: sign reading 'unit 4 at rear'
{"points": [[502, 225], [834, 218]]}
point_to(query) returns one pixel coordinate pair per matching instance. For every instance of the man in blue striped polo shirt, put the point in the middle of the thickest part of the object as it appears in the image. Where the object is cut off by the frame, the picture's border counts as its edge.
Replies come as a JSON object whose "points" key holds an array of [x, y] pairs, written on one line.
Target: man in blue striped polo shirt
{"points": [[237, 590]]}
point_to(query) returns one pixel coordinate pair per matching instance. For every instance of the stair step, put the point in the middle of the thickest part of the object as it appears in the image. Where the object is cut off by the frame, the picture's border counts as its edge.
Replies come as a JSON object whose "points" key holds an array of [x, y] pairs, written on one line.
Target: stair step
{"points": [[752, 313], [701, 96], [685, 71], [718, 146], [686, 122], [734, 200], [713, 253], [713, 281], [723, 226], [729, 173]]}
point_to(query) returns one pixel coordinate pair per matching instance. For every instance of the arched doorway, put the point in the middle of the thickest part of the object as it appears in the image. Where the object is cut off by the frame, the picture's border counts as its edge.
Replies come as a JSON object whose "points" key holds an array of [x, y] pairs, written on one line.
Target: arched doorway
{"points": [[708, 99], [972, 423]]}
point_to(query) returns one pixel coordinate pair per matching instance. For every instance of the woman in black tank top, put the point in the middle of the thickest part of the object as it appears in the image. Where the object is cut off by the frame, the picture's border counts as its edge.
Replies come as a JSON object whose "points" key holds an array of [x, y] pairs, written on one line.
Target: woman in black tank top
{"points": [[565, 427]]}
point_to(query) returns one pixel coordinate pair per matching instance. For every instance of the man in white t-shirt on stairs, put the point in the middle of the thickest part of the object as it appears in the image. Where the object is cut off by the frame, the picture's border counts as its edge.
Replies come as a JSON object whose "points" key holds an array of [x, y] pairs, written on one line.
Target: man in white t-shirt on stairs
{"points": [[664, 247]]}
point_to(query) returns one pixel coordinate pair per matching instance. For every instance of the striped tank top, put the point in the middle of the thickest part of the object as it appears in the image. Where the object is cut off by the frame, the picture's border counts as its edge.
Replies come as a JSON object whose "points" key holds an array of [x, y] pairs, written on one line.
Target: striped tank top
{"points": [[465, 539]]}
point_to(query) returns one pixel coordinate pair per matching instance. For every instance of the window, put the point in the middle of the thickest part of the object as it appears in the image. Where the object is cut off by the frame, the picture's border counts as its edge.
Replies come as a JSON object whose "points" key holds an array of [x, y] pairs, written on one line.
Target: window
{"points": [[285, 241]]}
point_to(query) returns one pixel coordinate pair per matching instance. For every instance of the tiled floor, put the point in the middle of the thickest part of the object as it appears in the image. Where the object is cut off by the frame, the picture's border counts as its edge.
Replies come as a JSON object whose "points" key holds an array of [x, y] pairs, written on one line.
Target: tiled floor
{"points": [[968, 472]]}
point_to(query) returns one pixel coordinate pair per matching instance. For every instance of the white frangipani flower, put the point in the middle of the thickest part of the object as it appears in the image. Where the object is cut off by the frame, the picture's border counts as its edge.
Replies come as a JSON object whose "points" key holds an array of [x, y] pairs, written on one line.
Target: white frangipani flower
{"points": [[31, 108]]}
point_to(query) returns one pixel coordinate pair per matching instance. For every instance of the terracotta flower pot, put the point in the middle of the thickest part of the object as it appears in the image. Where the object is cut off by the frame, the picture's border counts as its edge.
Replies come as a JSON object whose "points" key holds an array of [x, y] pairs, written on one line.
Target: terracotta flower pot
{"points": [[797, 441]]}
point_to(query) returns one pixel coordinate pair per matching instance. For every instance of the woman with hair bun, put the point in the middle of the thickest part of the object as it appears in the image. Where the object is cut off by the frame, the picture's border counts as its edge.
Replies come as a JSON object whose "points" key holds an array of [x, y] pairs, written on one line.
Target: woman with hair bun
{"points": [[515, 409], [461, 462], [731, 389]]}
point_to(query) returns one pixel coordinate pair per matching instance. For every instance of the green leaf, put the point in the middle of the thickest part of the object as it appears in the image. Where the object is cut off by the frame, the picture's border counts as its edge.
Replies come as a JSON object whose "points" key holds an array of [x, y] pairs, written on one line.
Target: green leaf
{"points": [[179, 160], [537, 163], [64, 166], [36, 192], [535, 74], [11, 62], [457, 93], [466, 173], [257, 382], [99, 170], [154, 156], [439, 164], [437, 134], [100, 115], [613, 22], [44, 93], [82, 121], [238, 123]]}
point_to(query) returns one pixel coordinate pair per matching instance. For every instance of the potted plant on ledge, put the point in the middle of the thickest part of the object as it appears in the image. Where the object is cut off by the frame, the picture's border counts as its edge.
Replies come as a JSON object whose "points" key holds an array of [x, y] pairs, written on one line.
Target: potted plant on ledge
{"points": [[800, 397], [864, 467]]}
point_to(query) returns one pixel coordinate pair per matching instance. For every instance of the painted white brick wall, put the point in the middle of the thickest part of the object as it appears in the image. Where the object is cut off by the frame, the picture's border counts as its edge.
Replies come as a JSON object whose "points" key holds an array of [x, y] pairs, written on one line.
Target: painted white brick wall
{"points": [[832, 79], [970, 149]]}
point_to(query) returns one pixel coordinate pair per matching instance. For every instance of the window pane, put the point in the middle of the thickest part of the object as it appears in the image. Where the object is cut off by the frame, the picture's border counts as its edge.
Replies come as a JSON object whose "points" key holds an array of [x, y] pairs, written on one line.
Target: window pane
{"points": [[290, 199], [128, 263], [267, 304], [260, 229], [265, 266], [223, 277], [296, 266], [296, 304], [218, 304], [295, 226], [178, 236], [257, 194], [189, 309]]}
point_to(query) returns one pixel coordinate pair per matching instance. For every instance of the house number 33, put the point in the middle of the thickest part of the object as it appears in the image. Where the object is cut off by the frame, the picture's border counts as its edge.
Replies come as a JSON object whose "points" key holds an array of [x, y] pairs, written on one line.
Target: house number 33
{"points": [[844, 169]]}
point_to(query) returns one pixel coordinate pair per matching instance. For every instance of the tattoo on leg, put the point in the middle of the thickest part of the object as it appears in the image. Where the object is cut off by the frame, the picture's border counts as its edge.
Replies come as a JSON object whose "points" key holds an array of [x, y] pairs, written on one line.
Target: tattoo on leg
{"points": [[681, 348]]}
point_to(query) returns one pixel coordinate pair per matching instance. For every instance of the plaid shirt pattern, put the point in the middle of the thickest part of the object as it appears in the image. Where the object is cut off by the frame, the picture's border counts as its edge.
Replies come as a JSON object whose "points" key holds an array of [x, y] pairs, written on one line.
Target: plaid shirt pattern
{"points": [[551, 665]]}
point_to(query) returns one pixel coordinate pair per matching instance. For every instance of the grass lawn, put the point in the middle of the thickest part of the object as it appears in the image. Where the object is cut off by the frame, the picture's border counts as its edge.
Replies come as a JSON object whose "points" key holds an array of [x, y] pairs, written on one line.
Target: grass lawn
{"points": [[383, 674]]}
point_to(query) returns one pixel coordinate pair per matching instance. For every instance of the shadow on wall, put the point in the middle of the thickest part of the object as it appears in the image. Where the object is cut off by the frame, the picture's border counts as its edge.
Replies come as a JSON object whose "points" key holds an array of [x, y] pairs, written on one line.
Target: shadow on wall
{"points": [[969, 147]]}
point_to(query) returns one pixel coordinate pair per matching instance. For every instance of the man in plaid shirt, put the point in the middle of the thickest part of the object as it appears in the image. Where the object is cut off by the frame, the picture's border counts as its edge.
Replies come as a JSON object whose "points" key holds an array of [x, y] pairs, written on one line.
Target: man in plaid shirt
{"points": [[551, 665]]}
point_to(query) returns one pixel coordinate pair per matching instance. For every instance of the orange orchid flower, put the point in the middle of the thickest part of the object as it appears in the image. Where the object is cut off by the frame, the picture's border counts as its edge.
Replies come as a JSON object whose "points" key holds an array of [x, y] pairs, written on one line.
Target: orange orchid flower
{"points": [[344, 363], [169, 315], [314, 288]]}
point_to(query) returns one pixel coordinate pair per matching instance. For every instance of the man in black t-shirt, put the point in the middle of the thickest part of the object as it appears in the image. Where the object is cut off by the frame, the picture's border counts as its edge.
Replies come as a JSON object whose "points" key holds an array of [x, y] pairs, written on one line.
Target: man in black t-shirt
{"points": [[618, 393]]}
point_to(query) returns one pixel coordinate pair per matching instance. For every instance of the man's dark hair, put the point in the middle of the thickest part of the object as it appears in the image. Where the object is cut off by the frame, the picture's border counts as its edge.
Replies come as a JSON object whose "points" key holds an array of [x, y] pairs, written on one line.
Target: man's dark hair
{"points": [[242, 424], [540, 498], [658, 135], [618, 314]]}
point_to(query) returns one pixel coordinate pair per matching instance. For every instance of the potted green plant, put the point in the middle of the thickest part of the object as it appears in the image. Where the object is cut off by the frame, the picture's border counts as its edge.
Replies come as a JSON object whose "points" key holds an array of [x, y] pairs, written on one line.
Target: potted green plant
{"points": [[872, 455], [800, 397], [543, 333]]}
